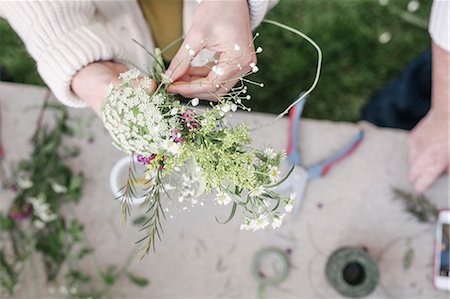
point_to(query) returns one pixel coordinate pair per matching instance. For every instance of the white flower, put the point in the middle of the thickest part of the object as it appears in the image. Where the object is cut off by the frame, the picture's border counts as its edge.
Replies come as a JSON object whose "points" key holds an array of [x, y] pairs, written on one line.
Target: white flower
{"points": [[273, 173], [270, 153], [245, 226], [24, 183], [259, 223], [233, 107], [42, 209], [172, 147], [278, 221], [385, 37], [223, 198], [259, 50], [383, 2], [63, 290], [290, 202], [169, 187], [226, 108], [130, 75], [195, 102], [254, 67], [58, 188], [218, 70], [413, 5], [288, 207], [38, 224], [257, 191], [173, 111]]}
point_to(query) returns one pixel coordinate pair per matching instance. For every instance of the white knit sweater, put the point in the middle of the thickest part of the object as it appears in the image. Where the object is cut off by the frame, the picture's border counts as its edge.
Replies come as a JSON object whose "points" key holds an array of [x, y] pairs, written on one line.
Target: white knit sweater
{"points": [[64, 36]]}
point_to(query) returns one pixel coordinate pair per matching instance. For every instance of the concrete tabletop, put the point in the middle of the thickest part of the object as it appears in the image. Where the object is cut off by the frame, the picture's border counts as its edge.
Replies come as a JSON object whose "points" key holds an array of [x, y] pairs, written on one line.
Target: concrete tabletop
{"points": [[200, 258]]}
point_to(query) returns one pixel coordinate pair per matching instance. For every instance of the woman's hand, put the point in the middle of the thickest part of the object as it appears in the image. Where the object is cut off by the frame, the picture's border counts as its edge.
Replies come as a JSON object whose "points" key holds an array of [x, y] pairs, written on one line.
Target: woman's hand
{"points": [[221, 26], [90, 83], [429, 142], [429, 149]]}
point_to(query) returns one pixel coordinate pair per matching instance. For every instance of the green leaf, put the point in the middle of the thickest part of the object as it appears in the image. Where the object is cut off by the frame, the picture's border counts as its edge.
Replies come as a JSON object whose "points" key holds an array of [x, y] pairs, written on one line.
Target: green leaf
{"points": [[139, 220], [76, 186], [139, 281], [77, 277], [76, 230], [6, 223], [233, 211], [85, 251], [8, 278], [109, 277]]}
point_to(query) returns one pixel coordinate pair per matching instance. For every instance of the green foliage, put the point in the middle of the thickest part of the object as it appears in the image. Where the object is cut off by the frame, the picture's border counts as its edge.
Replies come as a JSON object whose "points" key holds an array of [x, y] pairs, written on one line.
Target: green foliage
{"points": [[418, 206], [139, 281], [15, 63], [355, 64], [35, 222]]}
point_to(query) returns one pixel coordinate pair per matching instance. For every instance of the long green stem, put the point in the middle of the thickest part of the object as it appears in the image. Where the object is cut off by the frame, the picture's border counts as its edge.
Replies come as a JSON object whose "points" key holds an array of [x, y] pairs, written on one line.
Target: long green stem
{"points": [[319, 62]]}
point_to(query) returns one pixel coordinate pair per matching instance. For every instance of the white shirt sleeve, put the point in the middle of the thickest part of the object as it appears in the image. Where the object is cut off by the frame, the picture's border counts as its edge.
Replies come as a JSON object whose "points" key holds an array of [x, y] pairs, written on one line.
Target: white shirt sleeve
{"points": [[439, 26], [258, 9]]}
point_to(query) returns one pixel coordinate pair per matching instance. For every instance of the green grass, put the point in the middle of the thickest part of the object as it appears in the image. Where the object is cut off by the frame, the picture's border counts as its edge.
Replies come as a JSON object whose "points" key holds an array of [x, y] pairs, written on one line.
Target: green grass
{"points": [[355, 63]]}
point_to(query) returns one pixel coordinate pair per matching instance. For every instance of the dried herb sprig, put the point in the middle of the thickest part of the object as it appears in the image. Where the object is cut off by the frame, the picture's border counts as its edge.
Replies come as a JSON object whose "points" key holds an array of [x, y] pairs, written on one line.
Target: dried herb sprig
{"points": [[417, 205]]}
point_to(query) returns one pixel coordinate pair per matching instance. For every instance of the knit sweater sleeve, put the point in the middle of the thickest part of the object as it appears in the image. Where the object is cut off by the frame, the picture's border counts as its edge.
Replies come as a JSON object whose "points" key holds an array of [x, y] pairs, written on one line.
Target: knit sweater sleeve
{"points": [[439, 26], [258, 9], [63, 37]]}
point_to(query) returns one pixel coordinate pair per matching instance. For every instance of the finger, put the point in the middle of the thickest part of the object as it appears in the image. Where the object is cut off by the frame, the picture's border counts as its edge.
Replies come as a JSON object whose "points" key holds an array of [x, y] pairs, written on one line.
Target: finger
{"points": [[214, 96], [199, 71], [220, 75], [425, 171], [414, 145], [222, 88], [181, 62], [429, 157], [188, 78], [427, 179]]}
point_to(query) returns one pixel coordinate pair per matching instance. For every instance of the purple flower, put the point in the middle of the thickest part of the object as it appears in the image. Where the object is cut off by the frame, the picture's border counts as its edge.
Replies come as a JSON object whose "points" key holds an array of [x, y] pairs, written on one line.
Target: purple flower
{"points": [[176, 135], [189, 119], [188, 115], [22, 214], [146, 160]]}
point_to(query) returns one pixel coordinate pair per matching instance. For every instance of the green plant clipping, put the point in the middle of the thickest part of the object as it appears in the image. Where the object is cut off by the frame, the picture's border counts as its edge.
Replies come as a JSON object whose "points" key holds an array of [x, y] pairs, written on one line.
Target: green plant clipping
{"points": [[418, 206], [35, 223]]}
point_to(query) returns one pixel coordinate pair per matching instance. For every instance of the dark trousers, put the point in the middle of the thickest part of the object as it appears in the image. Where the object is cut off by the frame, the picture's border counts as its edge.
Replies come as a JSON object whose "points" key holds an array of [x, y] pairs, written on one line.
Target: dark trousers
{"points": [[406, 100]]}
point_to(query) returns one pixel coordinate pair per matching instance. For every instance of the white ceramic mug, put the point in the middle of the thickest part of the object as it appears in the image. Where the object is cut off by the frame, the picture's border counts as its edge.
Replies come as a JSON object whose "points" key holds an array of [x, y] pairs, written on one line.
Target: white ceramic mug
{"points": [[119, 176]]}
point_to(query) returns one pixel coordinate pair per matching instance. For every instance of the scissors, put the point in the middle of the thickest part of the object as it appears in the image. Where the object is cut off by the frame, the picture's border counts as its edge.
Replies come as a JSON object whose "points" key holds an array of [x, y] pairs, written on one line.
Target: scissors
{"points": [[298, 180]]}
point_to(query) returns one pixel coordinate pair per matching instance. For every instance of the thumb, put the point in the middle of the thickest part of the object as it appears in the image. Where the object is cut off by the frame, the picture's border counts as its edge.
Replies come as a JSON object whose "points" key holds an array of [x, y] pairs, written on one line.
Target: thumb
{"points": [[181, 62]]}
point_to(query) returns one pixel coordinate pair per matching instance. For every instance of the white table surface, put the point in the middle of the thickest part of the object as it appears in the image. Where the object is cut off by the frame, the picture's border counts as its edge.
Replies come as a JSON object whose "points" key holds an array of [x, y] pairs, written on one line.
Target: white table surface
{"points": [[199, 258]]}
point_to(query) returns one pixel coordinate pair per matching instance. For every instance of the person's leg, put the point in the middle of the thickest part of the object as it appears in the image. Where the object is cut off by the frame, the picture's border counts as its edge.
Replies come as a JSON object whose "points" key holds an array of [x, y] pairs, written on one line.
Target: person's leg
{"points": [[406, 99]]}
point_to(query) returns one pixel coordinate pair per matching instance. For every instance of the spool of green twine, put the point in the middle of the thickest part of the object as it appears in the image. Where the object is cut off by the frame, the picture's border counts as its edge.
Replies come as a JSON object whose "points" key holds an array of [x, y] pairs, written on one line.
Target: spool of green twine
{"points": [[352, 272]]}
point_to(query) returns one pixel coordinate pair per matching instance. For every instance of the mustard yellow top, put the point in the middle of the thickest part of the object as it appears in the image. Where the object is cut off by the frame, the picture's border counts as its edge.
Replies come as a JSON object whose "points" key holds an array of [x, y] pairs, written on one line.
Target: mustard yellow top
{"points": [[165, 20]]}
